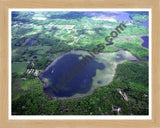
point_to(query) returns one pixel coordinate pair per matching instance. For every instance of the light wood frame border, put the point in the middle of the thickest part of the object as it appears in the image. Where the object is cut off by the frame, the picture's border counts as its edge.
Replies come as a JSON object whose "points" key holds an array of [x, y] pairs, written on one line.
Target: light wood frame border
{"points": [[4, 10]]}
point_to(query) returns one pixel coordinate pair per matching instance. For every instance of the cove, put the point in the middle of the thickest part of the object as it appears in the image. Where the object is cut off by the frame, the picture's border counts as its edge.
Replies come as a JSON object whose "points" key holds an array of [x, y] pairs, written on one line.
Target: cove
{"points": [[146, 24], [145, 41]]}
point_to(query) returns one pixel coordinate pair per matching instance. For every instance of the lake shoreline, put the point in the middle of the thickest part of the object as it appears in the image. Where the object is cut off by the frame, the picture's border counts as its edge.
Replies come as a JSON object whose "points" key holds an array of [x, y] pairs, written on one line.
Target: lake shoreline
{"points": [[93, 87]]}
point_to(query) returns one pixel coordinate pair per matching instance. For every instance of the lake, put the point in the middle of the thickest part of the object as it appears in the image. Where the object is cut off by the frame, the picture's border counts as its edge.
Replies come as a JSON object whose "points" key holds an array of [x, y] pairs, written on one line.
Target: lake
{"points": [[80, 83], [145, 41], [145, 44], [31, 42], [111, 43], [146, 24], [98, 72]]}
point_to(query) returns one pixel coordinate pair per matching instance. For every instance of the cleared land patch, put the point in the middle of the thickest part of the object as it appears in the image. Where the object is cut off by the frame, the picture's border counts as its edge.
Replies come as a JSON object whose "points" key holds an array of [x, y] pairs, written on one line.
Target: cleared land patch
{"points": [[19, 67]]}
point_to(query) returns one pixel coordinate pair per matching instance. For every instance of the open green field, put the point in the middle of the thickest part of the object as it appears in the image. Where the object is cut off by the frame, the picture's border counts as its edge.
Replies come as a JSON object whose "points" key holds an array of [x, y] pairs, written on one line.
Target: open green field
{"points": [[19, 67]]}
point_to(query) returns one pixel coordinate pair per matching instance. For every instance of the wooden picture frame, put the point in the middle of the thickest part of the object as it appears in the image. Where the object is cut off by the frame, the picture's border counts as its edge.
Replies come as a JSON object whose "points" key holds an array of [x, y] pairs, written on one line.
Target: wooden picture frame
{"points": [[4, 68]]}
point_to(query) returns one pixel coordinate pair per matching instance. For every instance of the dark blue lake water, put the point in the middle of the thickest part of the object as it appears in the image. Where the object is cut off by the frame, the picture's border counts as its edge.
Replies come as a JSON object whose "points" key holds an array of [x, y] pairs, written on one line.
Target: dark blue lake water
{"points": [[146, 24], [111, 43], [81, 82], [145, 41], [31, 43], [147, 58], [145, 44]]}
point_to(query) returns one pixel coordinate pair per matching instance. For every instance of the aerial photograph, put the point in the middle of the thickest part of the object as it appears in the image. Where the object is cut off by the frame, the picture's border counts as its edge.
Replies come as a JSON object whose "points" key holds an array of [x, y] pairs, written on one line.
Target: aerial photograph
{"points": [[68, 62]]}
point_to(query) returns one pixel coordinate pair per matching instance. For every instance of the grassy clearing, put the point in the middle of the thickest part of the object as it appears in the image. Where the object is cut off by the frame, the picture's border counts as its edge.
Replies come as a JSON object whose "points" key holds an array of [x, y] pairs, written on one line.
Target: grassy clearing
{"points": [[26, 85], [19, 67], [20, 87], [135, 48], [40, 50], [110, 48]]}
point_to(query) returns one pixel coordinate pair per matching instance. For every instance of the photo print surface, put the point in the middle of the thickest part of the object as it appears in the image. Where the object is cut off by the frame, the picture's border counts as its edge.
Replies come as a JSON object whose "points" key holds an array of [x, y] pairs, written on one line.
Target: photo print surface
{"points": [[80, 62]]}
